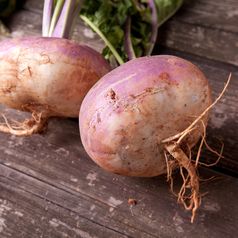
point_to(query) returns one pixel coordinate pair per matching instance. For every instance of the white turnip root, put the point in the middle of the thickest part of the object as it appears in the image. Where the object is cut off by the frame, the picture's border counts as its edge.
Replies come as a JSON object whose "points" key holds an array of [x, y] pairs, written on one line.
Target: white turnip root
{"points": [[46, 76], [127, 116]]}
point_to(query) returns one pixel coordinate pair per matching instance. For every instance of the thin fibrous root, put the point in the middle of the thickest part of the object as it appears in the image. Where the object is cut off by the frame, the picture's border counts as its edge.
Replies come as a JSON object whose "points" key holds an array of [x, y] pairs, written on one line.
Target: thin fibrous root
{"points": [[189, 193], [176, 157], [191, 182], [171, 165], [35, 124]]}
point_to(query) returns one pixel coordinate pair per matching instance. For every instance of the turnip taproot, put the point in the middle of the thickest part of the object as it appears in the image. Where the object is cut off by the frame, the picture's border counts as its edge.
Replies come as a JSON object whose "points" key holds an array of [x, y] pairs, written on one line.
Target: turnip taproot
{"points": [[126, 117], [46, 76]]}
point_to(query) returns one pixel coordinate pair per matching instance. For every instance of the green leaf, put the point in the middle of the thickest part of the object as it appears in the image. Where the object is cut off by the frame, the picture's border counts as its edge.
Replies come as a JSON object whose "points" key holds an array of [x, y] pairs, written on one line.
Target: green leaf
{"points": [[109, 16]]}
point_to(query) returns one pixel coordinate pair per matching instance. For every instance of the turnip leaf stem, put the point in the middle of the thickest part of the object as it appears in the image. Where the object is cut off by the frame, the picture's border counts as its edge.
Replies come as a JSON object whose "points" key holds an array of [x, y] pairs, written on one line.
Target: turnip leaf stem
{"points": [[47, 15], [128, 43], [110, 46], [56, 14]]}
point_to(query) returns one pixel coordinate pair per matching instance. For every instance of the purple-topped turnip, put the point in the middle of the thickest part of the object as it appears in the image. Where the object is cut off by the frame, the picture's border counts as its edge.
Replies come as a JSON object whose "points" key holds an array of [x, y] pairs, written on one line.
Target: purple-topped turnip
{"points": [[127, 119]]}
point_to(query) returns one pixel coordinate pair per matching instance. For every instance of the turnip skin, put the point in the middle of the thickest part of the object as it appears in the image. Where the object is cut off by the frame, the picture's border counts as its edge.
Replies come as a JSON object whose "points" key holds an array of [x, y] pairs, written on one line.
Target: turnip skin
{"points": [[48, 75], [127, 114]]}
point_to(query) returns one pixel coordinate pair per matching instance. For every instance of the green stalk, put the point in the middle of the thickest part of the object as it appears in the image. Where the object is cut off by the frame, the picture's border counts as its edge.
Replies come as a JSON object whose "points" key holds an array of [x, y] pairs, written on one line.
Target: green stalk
{"points": [[127, 40], [110, 46], [56, 14], [47, 15]]}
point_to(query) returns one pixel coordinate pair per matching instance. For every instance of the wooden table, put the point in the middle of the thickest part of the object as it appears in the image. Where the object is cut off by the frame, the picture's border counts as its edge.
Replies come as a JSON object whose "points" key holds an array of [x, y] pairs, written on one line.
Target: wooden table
{"points": [[50, 188]]}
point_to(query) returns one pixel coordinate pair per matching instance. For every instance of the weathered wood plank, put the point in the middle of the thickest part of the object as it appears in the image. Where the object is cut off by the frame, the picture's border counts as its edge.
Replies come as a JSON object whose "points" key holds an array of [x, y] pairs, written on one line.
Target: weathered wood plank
{"points": [[206, 28], [79, 203], [27, 210], [29, 23], [34, 6], [220, 15], [209, 43]]}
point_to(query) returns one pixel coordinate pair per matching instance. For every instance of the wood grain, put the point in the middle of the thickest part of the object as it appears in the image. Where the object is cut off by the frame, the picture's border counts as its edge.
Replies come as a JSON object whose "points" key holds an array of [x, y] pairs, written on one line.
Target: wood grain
{"points": [[27, 210], [28, 23], [203, 41], [220, 15]]}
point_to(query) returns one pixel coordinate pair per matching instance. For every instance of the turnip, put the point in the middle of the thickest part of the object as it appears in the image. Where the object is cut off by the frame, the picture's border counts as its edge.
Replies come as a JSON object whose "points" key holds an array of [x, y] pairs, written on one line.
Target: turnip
{"points": [[144, 117], [131, 110], [47, 76]]}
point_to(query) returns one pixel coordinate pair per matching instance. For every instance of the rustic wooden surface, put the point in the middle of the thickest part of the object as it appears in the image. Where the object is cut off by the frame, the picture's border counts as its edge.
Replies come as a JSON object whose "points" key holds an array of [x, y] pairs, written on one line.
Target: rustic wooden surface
{"points": [[50, 188], [209, 27]]}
